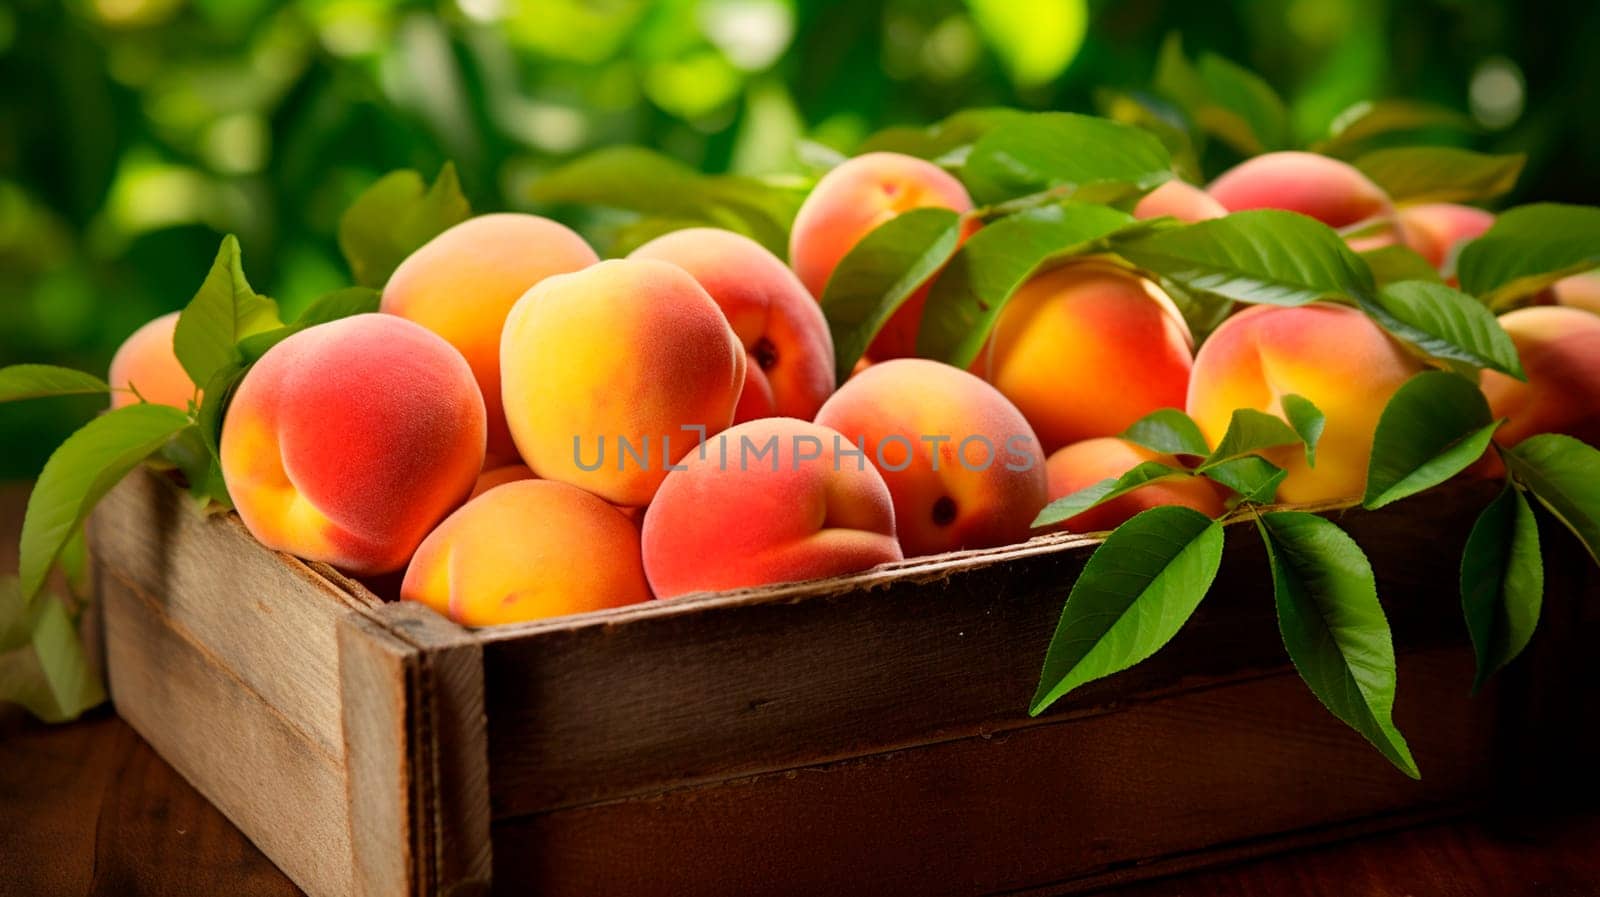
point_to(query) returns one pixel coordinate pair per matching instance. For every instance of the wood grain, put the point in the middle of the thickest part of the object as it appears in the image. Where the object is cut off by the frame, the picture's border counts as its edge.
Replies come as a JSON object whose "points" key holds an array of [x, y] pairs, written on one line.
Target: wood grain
{"points": [[255, 764], [1052, 806], [638, 700], [269, 616]]}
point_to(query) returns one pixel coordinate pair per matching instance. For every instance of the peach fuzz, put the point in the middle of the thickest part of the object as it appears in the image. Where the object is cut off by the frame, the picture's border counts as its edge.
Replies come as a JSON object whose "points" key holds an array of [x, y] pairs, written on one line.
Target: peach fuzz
{"points": [[349, 441], [629, 350], [1436, 229], [963, 466], [1327, 189], [525, 551], [145, 361], [1083, 464], [1087, 349], [1560, 351], [1579, 291], [499, 476], [1334, 356], [851, 201], [1179, 200], [463, 282], [789, 368], [768, 502]]}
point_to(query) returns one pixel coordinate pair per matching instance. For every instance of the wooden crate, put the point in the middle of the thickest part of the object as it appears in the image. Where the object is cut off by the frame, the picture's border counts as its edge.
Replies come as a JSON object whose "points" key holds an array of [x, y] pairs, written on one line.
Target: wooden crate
{"points": [[863, 735]]}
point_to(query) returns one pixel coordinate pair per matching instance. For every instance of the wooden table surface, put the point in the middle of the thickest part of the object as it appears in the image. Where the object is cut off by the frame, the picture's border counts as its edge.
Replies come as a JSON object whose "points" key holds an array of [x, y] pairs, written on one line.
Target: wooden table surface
{"points": [[89, 809]]}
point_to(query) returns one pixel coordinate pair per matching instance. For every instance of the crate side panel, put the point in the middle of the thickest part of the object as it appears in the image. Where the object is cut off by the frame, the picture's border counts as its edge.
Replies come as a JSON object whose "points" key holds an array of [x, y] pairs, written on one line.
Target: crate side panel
{"points": [[286, 793], [1036, 807], [594, 712], [268, 616]]}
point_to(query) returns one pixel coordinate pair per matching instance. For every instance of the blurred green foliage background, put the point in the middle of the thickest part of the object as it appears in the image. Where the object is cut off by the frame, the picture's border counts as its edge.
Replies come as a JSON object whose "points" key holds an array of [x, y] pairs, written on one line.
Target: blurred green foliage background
{"points": [[132, 132]]}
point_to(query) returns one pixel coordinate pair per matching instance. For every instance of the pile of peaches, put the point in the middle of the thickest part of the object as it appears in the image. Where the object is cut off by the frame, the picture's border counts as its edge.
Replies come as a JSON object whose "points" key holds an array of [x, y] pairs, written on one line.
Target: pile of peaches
{"points": [[528, 431]]}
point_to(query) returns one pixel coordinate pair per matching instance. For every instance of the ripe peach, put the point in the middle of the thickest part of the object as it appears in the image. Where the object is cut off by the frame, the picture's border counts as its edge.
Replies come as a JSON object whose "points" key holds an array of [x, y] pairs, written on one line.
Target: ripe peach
{"points": [[1334, 356], [847, 204], [1560, 350], [789, 371], [145, 361], [1579, 291], [1083, 464], [463, 282], [768, 501], [1087, 349], [347, 442], [629, 354], [1180, 200], [499, 476], [1333, 192], [963, 466], [1436, 229], [526, 551]]}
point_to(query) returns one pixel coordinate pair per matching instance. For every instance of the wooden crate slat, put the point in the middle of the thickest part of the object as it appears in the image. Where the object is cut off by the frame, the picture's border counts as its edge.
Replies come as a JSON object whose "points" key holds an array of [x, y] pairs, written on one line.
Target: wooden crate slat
{"points": [[286, 792], [1031, 808], [268, 614]]}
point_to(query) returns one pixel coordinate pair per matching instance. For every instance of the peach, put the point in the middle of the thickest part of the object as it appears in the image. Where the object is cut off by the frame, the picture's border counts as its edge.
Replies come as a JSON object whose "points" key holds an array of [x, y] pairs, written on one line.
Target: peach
{"points": [[1334, 356], [463, 282], [963, 466], [1579, 291], [851, 201], [769, 501], [1087, 349], [1333, 192], [1437, 229], [612, 373], [145, 362], [1082, 464], [347, 442], [789, 369], [526, 551], [1560, 350], [499, 476], [1179, 200]]}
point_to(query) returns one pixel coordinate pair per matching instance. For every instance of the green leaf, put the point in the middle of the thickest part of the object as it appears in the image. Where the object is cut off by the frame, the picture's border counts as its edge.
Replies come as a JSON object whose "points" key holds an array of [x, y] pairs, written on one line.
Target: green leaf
{"points": [[1088, 158], [1264, 256], [1253, 478], [1445, 323], [35, 381], [224, 311], [214, 404], [1394, 263], [79, 472], [1169, 431], [1308, 422], [394, 218], [879, 273], [1434, 426], [1241, 109], [1333, 626], [966, 300], [1133, 596], [1375, 118], [1097, 494], [1564, 475], [1529, 248], [1502, 582], [959, 130], [1250, 431], [1159, 117], [1441, 173], [43, 667]]}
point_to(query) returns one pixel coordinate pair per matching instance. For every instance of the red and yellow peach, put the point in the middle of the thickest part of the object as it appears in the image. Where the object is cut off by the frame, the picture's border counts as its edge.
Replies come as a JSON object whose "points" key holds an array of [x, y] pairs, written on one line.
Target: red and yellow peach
{"points": [[769, 501], [525, 551], [349, 441], [1560, 351], [789, 369], [146, 367], [962, 464], [1180, 200], [1327, 189], [613, 373], [463, 282]]}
